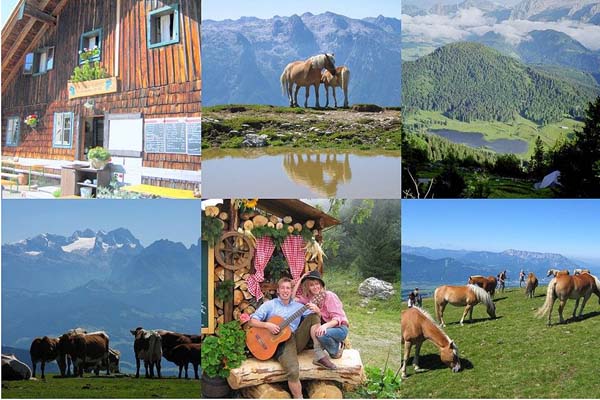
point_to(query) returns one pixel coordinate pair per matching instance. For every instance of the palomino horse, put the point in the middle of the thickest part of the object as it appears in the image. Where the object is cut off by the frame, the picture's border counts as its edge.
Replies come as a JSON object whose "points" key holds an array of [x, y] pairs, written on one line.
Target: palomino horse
{"points": [[581, 271], [305, 73], [341, 79], [418, 326], [556, 272], [488, 284], [532, 283], [564, 287], [468, 296]]}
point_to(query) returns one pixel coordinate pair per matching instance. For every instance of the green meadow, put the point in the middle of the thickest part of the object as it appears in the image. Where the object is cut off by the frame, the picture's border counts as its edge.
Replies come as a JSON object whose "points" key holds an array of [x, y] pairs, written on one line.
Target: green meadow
{"points": [[93, 387], [514, 356]]}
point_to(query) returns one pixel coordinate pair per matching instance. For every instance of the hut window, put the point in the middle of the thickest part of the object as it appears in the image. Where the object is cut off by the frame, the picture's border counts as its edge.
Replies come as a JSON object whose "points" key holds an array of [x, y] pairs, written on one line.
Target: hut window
{"points": [[63, 130], [90, 46], [13, 126], [39, 62], [163, 26]]}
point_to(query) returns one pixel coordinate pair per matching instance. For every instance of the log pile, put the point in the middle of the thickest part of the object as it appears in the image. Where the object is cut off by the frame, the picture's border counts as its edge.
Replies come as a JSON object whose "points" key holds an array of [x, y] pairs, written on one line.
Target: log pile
{"points": [[349, 372]]}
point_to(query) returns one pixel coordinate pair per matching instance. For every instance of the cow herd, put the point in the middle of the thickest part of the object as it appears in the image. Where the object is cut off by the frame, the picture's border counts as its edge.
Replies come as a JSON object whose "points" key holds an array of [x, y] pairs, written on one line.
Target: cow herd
{"points": [[90, 351]]}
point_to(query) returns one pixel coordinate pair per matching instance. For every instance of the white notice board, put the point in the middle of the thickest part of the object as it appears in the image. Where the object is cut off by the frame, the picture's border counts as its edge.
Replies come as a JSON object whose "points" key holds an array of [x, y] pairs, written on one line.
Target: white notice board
{"points": [[126, 134]]}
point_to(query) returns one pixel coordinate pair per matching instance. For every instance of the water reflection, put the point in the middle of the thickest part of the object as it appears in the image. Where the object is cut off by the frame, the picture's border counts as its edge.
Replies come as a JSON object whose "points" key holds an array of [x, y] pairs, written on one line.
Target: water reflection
{"points": [[288, 172]]}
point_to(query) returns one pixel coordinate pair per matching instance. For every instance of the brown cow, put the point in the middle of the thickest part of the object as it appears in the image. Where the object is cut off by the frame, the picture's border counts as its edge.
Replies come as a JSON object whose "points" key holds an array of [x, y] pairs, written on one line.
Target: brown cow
{"points": [[147, 346], [44, 350], [114, 357], [184, 354], [85, 348]]}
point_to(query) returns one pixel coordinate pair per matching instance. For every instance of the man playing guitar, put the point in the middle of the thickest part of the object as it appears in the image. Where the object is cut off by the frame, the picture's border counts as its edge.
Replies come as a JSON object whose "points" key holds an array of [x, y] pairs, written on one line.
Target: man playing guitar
{"points": [[287, 352]]}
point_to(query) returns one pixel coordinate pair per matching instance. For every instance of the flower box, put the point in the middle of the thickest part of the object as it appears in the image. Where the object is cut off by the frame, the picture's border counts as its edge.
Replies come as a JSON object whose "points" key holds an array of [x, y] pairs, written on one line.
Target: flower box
{"points": [[92, 88]]}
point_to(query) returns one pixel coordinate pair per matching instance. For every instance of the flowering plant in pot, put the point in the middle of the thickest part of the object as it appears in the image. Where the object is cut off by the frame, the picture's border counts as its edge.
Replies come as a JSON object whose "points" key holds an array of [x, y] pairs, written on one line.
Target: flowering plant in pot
{"points": [[32, 120], [98, 157]]}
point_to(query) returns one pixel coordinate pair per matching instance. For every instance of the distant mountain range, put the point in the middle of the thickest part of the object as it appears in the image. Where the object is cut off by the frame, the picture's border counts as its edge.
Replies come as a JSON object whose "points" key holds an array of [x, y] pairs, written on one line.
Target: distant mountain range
{"points": [[99, 281], [243, 59], [469, 81], [443, 266], [533, 10]]}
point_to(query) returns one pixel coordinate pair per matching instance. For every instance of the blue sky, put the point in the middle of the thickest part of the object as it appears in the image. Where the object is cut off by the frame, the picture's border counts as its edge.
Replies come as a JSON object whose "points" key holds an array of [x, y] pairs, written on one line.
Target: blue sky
{"points": [[234, 9], [148, 220], [567, 227], [7, 7]]}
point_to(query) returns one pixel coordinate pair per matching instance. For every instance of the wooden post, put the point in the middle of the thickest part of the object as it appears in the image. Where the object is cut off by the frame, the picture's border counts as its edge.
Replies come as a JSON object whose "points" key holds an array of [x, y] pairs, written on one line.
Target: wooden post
{"points": [[266, 391], [323, 390]]}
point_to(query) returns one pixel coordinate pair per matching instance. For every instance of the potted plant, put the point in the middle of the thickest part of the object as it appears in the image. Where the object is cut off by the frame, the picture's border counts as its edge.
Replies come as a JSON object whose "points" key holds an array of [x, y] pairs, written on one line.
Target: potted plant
{"points": [[220, 354], [98, 157], [32, 120]]}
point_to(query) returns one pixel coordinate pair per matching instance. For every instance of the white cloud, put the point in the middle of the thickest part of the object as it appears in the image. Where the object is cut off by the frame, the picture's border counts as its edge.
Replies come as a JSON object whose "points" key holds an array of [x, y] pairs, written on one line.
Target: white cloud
{"points": [[473, 21]]}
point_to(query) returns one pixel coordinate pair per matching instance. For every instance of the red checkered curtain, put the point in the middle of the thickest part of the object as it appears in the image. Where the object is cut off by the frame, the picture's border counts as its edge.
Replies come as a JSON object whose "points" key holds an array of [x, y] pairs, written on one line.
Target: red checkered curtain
{"points": [[293, 251], [262, 255]]}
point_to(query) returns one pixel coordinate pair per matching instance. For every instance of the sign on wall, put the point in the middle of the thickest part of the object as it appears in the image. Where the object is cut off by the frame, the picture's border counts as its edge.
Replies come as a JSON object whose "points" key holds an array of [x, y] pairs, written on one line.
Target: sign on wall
{"points": [[172, 135]]}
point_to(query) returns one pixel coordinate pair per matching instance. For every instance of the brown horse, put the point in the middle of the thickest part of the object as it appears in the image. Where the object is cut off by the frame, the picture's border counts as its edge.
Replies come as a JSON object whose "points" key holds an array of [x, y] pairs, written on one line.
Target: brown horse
{"points": [[532, 283], [306, 74], [340, 79], [418, 326], [488, 284], [579, 271], [564, 287], [468, 296]]}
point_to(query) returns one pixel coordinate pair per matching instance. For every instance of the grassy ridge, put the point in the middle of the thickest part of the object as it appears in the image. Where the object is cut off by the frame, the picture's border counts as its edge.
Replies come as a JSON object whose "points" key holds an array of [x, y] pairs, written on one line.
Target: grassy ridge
{"points": [[514, 356], [101, 387]]}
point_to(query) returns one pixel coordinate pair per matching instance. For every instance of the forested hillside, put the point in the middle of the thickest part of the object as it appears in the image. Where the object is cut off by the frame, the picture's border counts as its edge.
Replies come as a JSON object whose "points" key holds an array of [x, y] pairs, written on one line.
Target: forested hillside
{"points": [[469, 81]]}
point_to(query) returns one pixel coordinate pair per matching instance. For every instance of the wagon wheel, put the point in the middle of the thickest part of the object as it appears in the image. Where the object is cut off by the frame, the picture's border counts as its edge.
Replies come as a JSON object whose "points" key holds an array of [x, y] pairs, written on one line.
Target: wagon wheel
{"points": [[234, 251]]}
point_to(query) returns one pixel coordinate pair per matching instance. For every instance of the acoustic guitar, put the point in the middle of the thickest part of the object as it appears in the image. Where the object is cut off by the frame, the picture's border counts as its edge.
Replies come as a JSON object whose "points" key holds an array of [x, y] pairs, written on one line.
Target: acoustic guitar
{"points": [[263, 344]]}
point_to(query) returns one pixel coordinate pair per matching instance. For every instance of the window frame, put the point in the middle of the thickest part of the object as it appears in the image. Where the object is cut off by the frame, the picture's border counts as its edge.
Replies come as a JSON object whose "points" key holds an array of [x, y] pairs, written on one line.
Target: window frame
{"points": [[61, 116], [85, 36], [37, 57], [16, 131], [151, 32]]}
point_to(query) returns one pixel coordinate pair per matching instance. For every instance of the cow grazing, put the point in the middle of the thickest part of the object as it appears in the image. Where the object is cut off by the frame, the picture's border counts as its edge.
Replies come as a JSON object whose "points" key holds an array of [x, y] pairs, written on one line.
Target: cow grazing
{"points": [[148, 347], [85, 348], [64, 360], [184, 354], [114, 357], [170, 340], [43, 350]]}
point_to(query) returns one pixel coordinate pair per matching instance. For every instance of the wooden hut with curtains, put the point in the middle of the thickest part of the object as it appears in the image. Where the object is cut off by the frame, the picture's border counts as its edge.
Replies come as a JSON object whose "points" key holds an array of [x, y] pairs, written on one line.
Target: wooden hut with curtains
{"points": [[247, 246], [145, 109]]}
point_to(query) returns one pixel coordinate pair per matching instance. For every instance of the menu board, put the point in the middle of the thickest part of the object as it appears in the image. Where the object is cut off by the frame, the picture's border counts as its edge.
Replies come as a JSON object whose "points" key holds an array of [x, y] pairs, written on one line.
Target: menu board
{"points": [[172, 135], [194, 134], [154, 136]]}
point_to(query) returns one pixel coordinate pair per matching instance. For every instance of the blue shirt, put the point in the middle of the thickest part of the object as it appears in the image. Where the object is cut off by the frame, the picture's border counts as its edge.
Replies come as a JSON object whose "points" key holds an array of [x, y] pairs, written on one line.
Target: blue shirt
{"points": [[276, 307]]}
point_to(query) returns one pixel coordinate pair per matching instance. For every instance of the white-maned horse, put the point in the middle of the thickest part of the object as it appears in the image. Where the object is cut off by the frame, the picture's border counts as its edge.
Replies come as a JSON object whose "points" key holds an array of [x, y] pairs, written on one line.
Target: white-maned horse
{"points": [[305, 73]]}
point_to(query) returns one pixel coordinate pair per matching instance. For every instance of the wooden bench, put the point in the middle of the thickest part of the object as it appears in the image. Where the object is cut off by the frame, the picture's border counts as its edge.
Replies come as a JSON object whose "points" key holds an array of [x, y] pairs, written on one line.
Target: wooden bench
{"points": [[9, 180], [159, 191], [258, 379]]}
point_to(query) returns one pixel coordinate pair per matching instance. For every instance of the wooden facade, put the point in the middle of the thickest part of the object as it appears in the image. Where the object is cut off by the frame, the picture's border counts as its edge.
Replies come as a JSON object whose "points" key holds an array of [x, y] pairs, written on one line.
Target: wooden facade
{"points": [[152, 83]]}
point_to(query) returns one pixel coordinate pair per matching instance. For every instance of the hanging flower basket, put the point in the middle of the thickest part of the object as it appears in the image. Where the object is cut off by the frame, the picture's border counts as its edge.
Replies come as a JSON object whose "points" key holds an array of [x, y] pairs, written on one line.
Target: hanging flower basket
{"points": [[32, 120]]}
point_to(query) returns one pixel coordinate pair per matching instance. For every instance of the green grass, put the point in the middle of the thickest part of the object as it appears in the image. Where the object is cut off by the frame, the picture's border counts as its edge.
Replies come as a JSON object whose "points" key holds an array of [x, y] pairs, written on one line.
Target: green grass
{"points": [[520, 128], [514, 356], [101, 387], [375, 329]]}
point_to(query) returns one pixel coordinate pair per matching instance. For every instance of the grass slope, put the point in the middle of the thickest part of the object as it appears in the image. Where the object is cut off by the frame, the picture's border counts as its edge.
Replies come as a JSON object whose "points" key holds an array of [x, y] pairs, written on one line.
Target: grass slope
{"points": [[101, 387], [514, 356]]}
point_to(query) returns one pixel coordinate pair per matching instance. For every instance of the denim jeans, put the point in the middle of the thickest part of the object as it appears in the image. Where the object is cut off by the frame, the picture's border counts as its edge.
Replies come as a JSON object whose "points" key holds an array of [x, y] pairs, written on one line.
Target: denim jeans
{"points": [[332, 338]]}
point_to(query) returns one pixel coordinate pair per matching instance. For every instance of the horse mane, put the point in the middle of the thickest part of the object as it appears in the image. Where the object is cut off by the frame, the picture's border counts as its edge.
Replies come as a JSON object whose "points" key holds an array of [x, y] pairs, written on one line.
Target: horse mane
{"points": [[318, 61], [476, 276], [482, 295], [430, 318]]}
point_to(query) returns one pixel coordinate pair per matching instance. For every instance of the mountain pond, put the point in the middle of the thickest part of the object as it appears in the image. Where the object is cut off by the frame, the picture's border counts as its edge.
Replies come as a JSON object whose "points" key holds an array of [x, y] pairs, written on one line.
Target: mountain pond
{"points": [[300, 173], [476, 140]]}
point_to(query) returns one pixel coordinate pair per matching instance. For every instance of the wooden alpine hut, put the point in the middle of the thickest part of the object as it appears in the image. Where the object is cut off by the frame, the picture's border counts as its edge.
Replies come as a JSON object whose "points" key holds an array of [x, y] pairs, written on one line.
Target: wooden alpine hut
{"points": [[247, 246], [124, 75]]}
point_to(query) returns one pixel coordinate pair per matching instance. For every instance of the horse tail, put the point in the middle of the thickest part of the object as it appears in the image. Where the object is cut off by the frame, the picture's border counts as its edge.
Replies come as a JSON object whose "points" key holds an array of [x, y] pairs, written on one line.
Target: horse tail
{"points": [[437, 307], [345, 78], [597, 282], [283, 79], [549, 299]]}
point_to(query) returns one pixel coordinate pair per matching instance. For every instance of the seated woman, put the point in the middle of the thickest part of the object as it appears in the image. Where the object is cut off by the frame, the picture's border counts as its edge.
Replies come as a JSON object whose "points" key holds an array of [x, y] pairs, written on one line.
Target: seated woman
{"points": [[330, 334]]}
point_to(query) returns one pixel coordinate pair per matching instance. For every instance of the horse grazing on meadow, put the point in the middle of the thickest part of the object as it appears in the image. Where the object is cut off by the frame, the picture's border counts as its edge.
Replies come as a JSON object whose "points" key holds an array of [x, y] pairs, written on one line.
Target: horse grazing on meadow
{"points": [[306, 74], [468, 296], [579, 271], [564, 287], [340, 79], [556, 272], [532, 283], [488, 284], [418, 326]]}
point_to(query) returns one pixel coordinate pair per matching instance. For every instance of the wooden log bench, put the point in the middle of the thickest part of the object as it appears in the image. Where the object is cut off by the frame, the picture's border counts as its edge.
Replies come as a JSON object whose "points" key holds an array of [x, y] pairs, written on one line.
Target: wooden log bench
{"points": [[261, 379]]}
